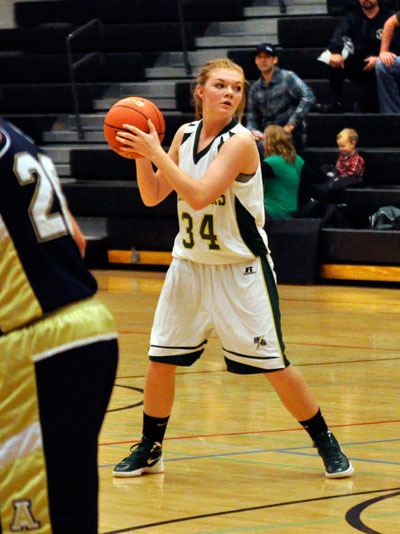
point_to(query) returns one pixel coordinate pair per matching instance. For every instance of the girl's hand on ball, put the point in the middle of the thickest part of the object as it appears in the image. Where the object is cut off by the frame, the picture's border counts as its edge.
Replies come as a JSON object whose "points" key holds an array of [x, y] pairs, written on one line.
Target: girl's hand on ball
{"points": [[136, 140]]}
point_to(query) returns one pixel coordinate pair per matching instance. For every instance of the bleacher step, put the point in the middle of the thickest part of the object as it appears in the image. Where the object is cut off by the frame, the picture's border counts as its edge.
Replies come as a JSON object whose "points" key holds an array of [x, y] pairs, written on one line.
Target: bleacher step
{"points": [[237, 40], [63, 170], [68, 136], [195, 58], [60, 154], [148, 89], [236, 28], [272, 11], [166, 72], [360, 246], [104, 104], [370, 273]]}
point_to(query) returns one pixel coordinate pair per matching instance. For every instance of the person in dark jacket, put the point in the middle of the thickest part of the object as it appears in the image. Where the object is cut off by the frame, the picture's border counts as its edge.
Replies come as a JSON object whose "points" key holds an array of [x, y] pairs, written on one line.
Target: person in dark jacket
{"points": [[280, 97], [359, 32]]}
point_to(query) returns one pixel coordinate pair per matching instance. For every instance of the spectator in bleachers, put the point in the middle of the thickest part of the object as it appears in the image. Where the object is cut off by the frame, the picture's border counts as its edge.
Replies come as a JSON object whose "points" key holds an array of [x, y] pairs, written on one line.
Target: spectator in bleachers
{"points": [[388, 69], [278, 97], [348, 171], [327, 197], [359, 33], [281, 171]]}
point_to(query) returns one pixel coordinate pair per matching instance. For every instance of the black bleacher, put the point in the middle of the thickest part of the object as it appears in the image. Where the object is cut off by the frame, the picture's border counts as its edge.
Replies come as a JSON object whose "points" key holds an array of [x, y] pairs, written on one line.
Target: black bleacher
{"points": [[27, 14], [131, 37], [34, 93], [42, 98], [34, 63], [304, 31], [17, 68], [301, 40], [340, 7]]}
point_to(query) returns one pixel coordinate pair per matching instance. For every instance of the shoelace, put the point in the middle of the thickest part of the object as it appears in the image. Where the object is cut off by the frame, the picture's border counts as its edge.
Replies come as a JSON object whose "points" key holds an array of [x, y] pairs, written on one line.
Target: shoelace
{"points": [[135, 446]]}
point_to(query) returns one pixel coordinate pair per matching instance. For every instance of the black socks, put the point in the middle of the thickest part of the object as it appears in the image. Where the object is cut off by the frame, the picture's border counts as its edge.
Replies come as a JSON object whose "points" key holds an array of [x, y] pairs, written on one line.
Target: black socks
{"points": [[154, 427], [315, 426]]}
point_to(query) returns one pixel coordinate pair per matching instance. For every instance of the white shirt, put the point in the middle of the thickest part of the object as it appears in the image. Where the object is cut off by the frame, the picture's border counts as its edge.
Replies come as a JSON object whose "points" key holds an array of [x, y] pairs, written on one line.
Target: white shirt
{"points": [[230, 230]]}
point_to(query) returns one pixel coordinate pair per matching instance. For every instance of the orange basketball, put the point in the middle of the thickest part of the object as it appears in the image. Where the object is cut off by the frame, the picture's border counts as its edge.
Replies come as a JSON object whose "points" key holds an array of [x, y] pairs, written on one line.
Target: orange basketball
{"points": [[133, 110]]}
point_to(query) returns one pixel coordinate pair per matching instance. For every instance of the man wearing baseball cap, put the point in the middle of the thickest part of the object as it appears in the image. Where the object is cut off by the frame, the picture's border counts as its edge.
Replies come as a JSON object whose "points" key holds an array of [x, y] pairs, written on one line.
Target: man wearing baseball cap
{"points": [[280, 97]]}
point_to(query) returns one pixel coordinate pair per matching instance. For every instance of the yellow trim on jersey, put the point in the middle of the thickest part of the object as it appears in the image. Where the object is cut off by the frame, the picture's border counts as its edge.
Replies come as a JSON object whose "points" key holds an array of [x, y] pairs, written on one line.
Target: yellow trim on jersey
{"points": [[23, 480], [20, 444], [75, 325], [18, 303]]}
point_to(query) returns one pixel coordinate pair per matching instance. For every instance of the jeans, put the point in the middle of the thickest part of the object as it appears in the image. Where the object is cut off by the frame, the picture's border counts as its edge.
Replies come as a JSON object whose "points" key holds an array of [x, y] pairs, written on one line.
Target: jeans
{"points": [[388, 79]]}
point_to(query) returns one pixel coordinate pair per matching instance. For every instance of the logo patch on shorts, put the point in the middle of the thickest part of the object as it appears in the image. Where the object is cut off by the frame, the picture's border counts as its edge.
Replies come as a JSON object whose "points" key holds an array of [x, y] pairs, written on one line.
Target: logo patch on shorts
{"points": [[260, 341], [23, 518], [249, 270]]}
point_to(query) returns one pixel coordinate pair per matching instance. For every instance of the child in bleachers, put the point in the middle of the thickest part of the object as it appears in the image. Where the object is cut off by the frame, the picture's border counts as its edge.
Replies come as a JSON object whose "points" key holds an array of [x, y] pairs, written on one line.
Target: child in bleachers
{"points": [[348, 171]]}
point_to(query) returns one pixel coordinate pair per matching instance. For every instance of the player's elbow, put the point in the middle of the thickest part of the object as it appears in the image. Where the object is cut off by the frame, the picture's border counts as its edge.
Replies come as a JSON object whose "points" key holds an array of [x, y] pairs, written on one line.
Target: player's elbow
{"points": [[150, 203], [199, 203], [149, 200]]}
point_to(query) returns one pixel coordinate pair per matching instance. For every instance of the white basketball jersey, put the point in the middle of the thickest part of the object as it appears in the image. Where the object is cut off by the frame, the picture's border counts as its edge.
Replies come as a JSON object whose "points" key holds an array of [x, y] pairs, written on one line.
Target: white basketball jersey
{"points": [[230, 230]]}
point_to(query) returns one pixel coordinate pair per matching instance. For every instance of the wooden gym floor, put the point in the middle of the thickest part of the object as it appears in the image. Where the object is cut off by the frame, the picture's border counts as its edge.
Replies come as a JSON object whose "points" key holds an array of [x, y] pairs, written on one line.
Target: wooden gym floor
{"points": [[235, 460]]}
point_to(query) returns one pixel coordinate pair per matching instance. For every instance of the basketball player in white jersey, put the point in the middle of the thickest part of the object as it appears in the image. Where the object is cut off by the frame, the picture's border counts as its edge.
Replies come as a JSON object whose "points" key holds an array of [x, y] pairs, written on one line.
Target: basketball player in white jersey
{"points": [[221, 271]]}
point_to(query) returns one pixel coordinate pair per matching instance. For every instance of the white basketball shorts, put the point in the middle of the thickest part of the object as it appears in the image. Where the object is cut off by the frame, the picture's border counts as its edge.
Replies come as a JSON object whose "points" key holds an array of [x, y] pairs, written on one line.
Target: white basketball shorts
{"points": [[239, 300]]}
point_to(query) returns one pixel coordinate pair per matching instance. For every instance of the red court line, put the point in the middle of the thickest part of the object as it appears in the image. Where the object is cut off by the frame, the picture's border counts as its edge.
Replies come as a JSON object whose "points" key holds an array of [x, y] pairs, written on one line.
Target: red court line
{"points": [[333, 346], [255, 432], [366, 360], [305, 364], [298, 343], [335, 303]]}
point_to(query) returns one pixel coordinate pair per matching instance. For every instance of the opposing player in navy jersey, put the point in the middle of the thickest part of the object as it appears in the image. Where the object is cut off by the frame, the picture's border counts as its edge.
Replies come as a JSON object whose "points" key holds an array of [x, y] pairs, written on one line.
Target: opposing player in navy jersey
{"points": [[222, 272], [58, 352]]}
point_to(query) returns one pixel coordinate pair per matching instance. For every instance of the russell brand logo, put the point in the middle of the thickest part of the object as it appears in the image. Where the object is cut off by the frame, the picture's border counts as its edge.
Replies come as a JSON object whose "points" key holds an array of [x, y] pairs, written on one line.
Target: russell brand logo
{"points": [[249, 270]]}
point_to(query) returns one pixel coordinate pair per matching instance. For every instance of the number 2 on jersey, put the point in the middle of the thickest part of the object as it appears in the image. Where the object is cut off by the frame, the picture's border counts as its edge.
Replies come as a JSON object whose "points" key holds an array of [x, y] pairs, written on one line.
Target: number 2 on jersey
{"points": [[46, 224], [206, 231]]}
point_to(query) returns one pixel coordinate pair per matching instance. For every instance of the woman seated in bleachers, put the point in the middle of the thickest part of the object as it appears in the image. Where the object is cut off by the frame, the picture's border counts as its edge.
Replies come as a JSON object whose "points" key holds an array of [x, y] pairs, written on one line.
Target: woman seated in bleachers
{"points": [[282, 169]]}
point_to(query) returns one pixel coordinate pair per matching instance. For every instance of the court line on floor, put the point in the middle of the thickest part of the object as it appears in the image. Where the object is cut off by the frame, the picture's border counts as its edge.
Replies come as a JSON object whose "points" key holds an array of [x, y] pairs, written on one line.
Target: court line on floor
{"points": [[126, 331], [244, 433], [297, 451], [248, 509]]}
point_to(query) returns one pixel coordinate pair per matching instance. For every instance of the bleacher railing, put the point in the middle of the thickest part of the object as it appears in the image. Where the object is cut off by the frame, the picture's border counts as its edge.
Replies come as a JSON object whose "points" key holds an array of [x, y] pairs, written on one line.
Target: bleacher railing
{"points": [[94, 24], [182, 25]]}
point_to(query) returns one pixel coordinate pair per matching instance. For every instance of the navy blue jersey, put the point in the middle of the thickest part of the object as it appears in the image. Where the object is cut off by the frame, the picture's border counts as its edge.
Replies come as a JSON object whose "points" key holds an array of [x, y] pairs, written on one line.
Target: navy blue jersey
{"points": [[40, 265]]}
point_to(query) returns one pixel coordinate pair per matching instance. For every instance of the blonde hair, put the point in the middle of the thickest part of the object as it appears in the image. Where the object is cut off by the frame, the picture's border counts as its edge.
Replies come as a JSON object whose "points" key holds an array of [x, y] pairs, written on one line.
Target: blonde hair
{"points": [[278, 142], [205, 73], [348, 133]]}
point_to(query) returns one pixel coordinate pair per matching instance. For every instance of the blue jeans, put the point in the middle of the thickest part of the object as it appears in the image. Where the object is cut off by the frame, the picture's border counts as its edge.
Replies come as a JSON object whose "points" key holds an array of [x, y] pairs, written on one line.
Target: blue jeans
{"points": [[388, 82]]}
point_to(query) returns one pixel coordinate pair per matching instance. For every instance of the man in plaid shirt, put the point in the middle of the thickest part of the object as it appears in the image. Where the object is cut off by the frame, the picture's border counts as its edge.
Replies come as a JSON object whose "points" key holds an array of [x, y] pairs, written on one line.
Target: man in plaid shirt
{"points": [[278, 97]]}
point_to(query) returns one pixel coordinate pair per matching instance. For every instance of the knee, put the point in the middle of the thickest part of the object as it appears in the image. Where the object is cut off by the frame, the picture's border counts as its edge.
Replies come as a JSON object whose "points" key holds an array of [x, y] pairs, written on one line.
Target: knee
{"points": [[384, 70], [160, 369], [380, 67], [278, 377]]}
